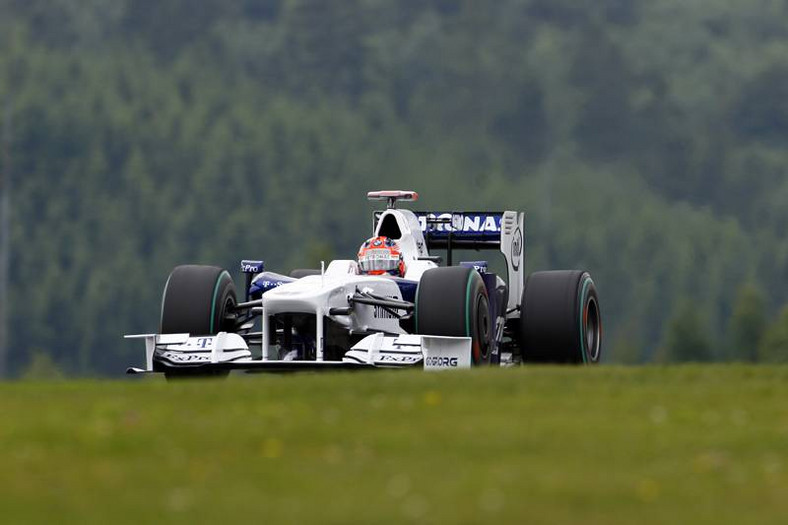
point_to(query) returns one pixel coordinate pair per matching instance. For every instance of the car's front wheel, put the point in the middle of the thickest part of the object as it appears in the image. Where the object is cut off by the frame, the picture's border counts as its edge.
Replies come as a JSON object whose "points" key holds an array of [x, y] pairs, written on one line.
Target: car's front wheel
{"points": [[197, 300], [452, 301]]}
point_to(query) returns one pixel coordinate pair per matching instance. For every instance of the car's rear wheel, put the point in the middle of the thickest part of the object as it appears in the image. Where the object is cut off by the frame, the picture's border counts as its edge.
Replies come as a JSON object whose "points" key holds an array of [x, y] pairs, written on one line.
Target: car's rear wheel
{"points": [[560, 318], [453, 301], [197, 300]]}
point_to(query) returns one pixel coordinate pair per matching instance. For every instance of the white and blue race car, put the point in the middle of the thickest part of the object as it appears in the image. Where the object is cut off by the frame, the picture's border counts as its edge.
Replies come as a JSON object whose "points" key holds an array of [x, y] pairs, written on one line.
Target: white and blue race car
{"points": [[435, 317]]}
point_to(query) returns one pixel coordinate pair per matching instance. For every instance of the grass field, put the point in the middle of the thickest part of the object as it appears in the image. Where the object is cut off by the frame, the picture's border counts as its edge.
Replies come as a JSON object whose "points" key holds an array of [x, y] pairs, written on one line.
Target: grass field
{"points": [[695, 444]]}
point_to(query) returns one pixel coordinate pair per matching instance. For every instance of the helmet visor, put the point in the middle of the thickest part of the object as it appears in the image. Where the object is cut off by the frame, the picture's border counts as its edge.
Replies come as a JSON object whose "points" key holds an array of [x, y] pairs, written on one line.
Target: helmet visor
{"points": [[378, 260]]}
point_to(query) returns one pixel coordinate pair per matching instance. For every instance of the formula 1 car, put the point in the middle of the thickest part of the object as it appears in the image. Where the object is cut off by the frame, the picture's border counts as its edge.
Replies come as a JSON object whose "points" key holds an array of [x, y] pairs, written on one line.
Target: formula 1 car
{"points": [[435, 317]]}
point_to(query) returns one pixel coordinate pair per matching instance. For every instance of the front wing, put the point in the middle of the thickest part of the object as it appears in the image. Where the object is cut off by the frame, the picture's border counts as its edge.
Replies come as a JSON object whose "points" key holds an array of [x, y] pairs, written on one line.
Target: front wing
{"points": [[182, 353]]}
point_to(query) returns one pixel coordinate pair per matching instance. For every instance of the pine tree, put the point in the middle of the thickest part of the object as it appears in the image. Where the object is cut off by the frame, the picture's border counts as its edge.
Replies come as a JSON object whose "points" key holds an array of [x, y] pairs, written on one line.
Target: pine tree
{"points": [[686, 337], [774, 346], [747, 324]]}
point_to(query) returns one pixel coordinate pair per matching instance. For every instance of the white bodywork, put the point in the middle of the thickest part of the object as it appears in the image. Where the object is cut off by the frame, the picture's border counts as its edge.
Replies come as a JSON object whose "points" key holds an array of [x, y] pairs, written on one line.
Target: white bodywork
{"points": [[318, 294], [387, 345], [184, 349], [436, 352]]}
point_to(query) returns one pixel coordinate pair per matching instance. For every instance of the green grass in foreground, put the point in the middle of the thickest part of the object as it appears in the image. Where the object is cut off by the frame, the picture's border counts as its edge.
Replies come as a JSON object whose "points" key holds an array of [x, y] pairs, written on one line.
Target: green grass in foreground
{"points": [[695, 444]]}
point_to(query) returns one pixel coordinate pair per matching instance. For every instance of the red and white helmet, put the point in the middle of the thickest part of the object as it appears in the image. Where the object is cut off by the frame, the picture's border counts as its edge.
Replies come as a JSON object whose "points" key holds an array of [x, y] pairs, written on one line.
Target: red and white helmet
{"points": [[379, 256]]}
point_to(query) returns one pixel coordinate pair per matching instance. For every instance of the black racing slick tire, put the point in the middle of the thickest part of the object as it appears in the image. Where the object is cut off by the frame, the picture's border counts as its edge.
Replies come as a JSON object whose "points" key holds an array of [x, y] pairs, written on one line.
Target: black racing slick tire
{"points": [[453, 301], [560, 318], [197, 300]]}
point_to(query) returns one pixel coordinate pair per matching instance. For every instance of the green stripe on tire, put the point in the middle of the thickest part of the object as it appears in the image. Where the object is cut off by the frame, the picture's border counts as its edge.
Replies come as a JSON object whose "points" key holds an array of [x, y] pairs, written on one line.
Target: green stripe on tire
{"points": [[586, 282], [215, 293], [468, 305]]}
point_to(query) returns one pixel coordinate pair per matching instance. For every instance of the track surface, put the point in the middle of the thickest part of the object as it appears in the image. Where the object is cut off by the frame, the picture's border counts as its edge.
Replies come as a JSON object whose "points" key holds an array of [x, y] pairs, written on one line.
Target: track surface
{"points": [[560, 445]]}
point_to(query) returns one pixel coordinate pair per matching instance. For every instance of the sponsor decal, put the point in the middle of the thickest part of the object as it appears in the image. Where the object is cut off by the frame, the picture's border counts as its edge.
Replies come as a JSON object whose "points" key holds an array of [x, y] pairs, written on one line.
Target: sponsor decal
{"points": [[481, 226], [479, 266], [442, 362], [397, 358], [462, 223], [267, 285], [382, 313], [251, 266], [179, 357], [517, 249], [195, 343], [203, 342]]}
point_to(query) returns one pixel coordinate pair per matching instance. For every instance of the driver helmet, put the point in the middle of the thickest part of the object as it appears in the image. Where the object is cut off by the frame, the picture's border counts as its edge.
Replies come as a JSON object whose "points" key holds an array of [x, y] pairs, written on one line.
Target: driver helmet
{"points": [[380, 256]]}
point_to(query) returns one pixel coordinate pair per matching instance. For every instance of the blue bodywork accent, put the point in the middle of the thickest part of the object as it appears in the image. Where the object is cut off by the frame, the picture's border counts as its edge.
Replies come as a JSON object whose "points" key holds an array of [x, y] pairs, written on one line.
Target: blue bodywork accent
{"points": [[407, 289], [267, 281]]}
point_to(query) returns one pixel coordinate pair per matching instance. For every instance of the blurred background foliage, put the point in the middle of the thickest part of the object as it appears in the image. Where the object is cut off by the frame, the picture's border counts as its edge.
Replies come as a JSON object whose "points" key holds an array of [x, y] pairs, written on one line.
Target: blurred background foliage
{"points": [[646, 139]]}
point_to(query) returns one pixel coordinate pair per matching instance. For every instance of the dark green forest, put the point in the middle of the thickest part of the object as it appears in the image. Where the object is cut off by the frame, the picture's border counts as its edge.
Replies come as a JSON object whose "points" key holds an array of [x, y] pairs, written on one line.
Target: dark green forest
{"points": [[647, 140]]}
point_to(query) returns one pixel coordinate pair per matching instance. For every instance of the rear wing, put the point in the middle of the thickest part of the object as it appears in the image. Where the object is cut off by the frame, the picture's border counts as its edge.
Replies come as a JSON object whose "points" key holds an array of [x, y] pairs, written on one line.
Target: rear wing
{"points": [[470, 230], [464, 230]]}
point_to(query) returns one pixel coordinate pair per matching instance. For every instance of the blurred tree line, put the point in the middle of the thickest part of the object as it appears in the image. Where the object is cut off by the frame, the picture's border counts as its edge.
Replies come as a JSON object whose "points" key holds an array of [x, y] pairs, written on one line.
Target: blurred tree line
{"points": [[646, 139]]}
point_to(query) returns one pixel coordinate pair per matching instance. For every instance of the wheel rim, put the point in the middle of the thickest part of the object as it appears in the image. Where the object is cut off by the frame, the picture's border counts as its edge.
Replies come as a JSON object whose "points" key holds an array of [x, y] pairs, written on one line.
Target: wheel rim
{"points": [[483, 326], [217, 318], [224, 320], [592, 329]]}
